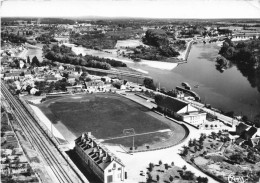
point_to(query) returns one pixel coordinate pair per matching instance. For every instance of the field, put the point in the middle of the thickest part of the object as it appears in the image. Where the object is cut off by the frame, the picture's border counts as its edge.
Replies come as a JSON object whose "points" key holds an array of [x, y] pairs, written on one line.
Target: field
{"points": [[107, 115], [128, 43]]}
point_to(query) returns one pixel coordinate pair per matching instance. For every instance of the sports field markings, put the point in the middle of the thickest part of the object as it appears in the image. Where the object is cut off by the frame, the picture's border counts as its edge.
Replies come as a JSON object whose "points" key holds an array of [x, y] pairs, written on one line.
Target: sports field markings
{"points": [[113, 138]]}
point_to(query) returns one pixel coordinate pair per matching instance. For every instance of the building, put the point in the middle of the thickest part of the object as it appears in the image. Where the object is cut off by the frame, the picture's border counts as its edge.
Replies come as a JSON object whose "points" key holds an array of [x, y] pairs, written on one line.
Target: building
{"points": [[76, 88], [180, 110], [94, 84], [103, 163], [50, 78], [247, 134], [12, 76]]}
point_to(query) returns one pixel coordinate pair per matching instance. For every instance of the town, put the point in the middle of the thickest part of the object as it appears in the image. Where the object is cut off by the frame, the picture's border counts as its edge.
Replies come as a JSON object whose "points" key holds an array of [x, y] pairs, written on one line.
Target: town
{"points": [[80, 101]]}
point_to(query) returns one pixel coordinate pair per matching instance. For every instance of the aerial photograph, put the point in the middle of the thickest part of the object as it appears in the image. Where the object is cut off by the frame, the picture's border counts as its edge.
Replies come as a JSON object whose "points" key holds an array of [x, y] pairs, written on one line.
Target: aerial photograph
{"points": [[130, 91]]}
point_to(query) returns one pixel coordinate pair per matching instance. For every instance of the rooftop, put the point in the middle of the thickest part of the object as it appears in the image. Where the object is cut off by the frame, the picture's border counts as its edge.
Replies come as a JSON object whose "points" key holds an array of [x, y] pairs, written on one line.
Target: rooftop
{"points": [[94, 149]]}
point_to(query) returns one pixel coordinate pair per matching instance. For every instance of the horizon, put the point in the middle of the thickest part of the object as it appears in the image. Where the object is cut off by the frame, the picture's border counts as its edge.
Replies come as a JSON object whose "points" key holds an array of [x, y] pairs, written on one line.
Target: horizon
{"points": [[143, 9]]}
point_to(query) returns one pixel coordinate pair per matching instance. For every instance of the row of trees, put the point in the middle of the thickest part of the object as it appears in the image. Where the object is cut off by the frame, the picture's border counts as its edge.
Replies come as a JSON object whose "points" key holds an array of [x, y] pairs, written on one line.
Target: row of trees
{"points": [[64, 54], [14, 38]]}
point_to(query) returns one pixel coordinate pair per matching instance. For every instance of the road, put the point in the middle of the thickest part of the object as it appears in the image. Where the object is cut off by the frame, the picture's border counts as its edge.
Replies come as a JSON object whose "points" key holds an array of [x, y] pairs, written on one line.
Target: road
{"points": [[55, 161]]}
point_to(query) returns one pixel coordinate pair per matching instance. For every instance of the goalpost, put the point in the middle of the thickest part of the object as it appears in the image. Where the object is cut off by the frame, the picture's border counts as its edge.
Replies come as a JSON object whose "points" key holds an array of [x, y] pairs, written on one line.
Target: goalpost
{"points": [[130, 131]]}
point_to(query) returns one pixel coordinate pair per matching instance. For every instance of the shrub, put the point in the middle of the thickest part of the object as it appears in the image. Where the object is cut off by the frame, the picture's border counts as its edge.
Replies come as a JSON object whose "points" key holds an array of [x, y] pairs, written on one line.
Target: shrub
{"points": [[160, 162], [184, 167], [171, 178]]}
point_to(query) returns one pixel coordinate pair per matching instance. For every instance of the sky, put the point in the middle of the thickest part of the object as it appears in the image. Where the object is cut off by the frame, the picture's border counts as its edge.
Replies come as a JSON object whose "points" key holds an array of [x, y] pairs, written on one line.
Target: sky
{"points": [[132, 8]]}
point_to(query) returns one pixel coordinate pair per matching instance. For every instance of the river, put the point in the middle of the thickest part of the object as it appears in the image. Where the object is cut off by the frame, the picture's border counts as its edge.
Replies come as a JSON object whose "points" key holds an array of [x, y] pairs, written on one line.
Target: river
{"points": [[227, 91]]}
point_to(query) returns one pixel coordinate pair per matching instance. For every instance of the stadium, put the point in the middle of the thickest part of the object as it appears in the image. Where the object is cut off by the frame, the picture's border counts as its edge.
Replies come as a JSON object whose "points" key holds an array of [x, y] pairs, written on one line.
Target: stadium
{"points": [[114, 120]]}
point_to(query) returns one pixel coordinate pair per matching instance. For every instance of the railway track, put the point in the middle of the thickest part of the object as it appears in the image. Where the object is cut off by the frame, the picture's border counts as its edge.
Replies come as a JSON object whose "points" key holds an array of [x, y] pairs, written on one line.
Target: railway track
{"points": [[53, 158]]}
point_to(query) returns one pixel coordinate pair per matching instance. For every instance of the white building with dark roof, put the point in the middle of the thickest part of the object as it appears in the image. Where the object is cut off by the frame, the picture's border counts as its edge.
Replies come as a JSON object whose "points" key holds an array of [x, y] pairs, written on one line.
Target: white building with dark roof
{"points": [[97, 157]]}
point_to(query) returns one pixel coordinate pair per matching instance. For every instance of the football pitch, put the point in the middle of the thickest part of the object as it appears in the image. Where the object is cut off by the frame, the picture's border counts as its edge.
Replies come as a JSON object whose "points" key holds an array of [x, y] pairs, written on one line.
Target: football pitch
{"points": [[106, 116]]}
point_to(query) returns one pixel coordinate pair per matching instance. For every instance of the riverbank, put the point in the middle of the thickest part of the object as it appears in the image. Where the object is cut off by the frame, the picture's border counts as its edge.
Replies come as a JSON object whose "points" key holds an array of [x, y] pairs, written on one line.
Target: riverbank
{"points": [[105, 54], [185, 54]]}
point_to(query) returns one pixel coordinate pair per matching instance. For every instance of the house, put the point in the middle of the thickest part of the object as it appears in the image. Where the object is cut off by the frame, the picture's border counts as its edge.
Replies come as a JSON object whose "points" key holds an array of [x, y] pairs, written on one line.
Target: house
{"points": [[50, 78], [72, 78], [61, 68], [27, 74], [247, 134], [180, 110], [239, 141], [75, 88], [33, 91], [94, 84], [106, 79], [123, 87], [58, 76], [13, 75], [105, 165], [254, 142], [241, 127]]}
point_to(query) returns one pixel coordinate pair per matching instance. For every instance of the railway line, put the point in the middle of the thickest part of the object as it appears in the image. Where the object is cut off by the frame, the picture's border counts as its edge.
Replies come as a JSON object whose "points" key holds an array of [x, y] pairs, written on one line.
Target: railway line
{"points": [[63, 172]]}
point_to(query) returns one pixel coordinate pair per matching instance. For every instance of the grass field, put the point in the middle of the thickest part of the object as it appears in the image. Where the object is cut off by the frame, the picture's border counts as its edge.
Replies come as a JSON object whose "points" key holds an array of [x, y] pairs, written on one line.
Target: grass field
{"points": [[106, 116]]}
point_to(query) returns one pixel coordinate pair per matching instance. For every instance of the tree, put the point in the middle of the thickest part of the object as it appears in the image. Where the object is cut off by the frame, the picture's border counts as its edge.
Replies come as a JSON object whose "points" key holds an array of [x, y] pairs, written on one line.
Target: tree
{"points": [[151, 165], [28, 88], [28, 59], [166, 166], [213, 134], [157, 178], [188, 175], [202, 179], [237, 158], [150, 178], [201, 139], [184, 167], [35, 61], [245, 118], [185, 151], [83, 75], [190, 143], [171, 178], [194, 142], [251, 156], [160, 162], [148, 83]]}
